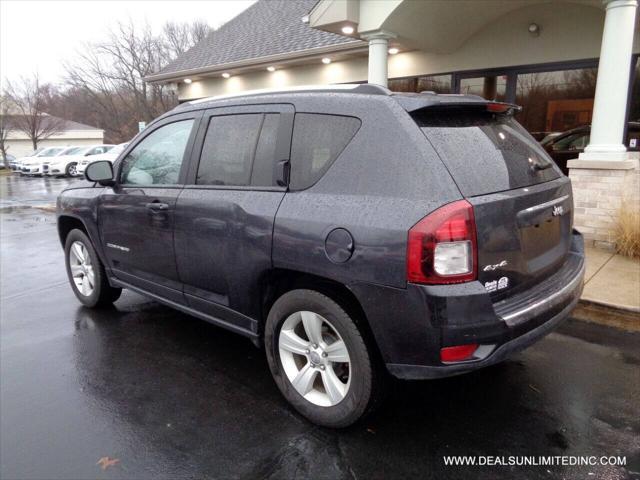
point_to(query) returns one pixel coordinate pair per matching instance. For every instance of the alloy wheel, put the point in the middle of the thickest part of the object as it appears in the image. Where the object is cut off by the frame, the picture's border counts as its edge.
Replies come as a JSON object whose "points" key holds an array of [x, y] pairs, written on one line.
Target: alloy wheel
{"points": [[72, 170], [81, 268], [315, 358]]}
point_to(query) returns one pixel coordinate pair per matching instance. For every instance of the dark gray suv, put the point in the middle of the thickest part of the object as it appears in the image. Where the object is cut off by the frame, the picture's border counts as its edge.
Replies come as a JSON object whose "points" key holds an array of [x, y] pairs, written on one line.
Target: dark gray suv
{"points": [[353, 232]]}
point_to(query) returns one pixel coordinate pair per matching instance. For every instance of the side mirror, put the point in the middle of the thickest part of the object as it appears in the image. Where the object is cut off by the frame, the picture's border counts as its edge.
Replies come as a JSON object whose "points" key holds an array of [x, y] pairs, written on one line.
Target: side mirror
{"points": [[101, 172]]}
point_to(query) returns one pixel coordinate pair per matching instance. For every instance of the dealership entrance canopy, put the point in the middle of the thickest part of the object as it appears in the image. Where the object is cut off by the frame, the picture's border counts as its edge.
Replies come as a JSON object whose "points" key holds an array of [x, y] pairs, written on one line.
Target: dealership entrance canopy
{"points": [[568, 63]]}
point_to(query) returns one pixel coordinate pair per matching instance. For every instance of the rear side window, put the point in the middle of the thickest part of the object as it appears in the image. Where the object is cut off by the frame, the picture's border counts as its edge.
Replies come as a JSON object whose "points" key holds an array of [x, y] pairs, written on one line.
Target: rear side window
{"points": [[485, 152], [318, 140], [239, 150]]}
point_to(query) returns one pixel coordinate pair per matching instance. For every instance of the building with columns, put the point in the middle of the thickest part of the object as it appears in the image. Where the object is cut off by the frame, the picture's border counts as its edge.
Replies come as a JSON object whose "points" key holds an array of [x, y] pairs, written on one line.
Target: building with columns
{"points": [[567, 62]]}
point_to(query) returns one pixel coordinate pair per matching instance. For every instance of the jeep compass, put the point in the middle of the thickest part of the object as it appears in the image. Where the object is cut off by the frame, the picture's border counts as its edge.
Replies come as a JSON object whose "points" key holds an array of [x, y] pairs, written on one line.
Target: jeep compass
{"points": [[352, 232]]}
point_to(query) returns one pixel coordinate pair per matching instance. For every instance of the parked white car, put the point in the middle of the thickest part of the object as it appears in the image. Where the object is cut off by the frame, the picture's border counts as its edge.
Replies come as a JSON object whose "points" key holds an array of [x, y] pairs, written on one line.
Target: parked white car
{"points": [[67, 165], [32, 165], [17, 164], [110, 156], [46, 162]]}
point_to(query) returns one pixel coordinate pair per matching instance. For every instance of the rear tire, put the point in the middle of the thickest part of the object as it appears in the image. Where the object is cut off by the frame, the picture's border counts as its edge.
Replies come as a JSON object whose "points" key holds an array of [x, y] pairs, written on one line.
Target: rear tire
{"points": [[86, 273], [334, 388]]}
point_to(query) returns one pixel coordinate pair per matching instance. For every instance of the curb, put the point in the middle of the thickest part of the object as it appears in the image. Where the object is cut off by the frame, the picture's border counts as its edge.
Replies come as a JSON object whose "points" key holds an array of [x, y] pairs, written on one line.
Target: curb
{"points": [[612, 306], [606, 314]]}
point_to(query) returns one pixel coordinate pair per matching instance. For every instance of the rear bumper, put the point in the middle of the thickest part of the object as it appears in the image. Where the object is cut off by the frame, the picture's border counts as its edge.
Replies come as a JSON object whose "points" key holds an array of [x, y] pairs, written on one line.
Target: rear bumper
{"points": [[440, 316], [500, 353]]}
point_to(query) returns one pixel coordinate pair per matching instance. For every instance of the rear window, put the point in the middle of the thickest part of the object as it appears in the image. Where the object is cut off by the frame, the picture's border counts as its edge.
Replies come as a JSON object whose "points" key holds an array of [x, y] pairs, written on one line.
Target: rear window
{"points": [[485, 152], [318, 139]]}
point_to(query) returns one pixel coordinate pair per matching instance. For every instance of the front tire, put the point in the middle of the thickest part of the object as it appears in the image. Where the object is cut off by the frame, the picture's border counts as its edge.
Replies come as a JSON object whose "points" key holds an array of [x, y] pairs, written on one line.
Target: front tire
{"points": [[319, 359], [71, 170], [86, 273]]}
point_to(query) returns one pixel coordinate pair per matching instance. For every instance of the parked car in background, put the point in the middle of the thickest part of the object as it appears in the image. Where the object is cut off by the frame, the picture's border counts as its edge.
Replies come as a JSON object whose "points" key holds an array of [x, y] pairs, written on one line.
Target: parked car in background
{"points": [[16, 164], [58, 158], [540, 136], [352, 231], [33, 165], [66, 165], [109, 156], [549, 137], [572, 143], [11, 161]]}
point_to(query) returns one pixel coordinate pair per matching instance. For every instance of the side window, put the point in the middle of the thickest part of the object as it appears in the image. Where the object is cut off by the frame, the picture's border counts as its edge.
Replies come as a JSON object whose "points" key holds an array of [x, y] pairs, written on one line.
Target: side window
{"points": [[318, 140], [157, 159], [239, 150]]}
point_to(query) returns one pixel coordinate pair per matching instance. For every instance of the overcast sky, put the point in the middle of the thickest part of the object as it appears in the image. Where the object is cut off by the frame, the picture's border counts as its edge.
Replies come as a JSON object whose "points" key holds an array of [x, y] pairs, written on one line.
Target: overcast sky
{"points": [[41, 35]]}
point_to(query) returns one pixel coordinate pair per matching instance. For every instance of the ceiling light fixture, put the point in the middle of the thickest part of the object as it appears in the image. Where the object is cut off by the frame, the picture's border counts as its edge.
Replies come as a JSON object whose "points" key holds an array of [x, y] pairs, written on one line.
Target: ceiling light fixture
{"points": [[347, 30], [393, 51], [226, 75], [187, 81], [326, 60], [271, 69]]}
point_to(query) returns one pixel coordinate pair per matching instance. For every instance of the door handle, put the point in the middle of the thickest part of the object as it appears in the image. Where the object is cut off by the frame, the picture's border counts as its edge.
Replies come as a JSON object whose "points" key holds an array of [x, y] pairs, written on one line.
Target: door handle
{"points": [[157, 206], [283, 169]]}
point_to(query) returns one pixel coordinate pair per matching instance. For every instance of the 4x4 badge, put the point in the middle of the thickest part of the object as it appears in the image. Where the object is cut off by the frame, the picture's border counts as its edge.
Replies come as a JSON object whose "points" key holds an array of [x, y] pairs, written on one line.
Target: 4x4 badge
{"points": [[491, 268], [558, 210]]}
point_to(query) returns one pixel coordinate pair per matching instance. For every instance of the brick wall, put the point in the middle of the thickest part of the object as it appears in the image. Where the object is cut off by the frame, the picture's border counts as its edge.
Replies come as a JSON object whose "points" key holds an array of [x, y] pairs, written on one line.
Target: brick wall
{"points": [[598, 194]]}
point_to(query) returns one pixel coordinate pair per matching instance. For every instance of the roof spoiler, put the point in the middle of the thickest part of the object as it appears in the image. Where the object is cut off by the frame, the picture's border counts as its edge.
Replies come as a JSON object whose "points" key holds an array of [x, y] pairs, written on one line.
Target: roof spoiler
{"points": [[413, 103]]}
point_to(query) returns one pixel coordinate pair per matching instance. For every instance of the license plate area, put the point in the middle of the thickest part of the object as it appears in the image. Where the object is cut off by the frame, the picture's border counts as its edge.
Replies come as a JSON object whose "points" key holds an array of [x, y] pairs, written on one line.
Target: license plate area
{"points": [[543, 244]]}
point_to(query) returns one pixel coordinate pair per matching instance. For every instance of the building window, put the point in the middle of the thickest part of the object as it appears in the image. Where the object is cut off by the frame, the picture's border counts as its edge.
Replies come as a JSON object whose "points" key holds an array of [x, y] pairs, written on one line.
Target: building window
{"points": [[491, 87], [425, 83], [556, 101], [553, 97]]}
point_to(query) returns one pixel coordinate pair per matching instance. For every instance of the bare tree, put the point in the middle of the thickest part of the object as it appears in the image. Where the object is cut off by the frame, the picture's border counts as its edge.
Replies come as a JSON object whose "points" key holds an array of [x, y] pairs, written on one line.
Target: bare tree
{"points": [[5, 129], [179, 37], [109, 75], [28, 100]]}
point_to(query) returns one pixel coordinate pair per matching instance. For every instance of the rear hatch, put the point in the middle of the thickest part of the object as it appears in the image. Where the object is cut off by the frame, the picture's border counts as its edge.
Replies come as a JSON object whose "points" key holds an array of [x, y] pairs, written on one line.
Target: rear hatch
{"points": [[522, 203]]}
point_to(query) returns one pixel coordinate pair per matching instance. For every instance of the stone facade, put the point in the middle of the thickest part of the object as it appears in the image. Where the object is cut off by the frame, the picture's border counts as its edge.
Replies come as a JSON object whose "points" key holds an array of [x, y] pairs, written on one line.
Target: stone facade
{"points": [[599, 190]]}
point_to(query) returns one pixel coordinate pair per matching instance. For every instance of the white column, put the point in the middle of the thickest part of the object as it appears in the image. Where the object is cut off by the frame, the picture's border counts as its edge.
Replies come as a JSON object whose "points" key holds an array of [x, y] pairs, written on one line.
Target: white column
{"points": [[378, 50], [607, 126]]}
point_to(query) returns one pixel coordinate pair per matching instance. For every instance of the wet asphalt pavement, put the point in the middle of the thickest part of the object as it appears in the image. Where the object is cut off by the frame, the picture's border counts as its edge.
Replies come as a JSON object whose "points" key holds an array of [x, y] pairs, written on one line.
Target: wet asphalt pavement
{"points": [[171, 396]]}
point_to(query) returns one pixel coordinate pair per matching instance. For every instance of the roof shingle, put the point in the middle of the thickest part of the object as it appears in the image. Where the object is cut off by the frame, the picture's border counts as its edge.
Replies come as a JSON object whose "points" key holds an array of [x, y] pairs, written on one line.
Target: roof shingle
{"points": [[268, 27]]}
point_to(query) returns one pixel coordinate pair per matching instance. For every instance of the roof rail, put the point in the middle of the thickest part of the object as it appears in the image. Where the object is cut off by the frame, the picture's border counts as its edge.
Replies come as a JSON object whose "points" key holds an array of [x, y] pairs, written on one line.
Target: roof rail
{"points": [[361, 88]]}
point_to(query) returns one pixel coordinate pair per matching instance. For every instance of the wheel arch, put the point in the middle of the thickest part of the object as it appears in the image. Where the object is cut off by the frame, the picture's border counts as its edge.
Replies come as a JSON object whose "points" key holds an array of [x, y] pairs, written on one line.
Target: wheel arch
{"points": [[278, 281], [66, 223]]}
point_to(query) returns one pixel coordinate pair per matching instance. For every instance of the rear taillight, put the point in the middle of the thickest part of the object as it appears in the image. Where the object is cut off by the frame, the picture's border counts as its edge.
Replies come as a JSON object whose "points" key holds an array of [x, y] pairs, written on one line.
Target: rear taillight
{"points": [[442, 247]]}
